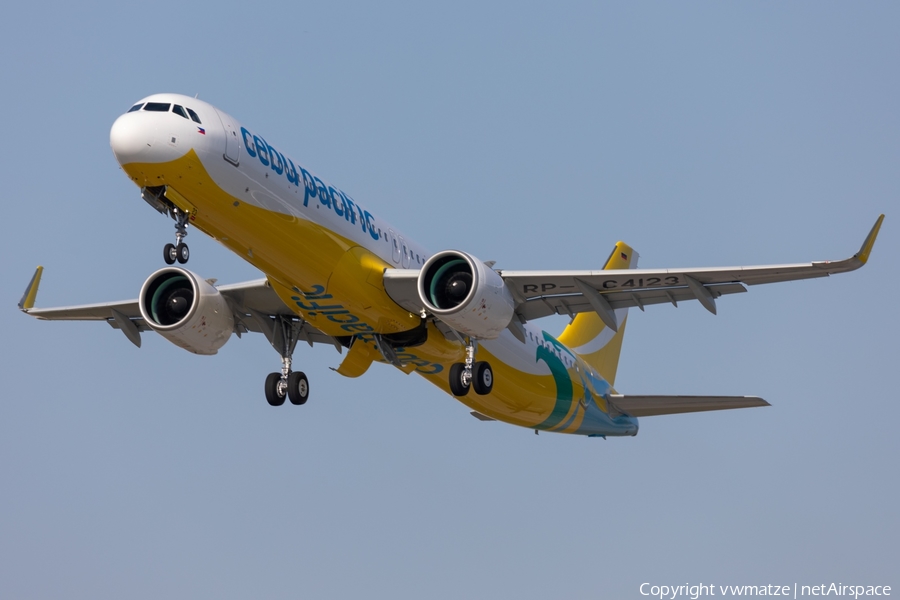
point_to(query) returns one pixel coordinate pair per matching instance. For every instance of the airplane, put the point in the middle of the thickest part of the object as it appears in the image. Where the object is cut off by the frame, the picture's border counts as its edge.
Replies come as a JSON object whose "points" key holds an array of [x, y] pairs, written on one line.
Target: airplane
{"points": [[338, 274]]}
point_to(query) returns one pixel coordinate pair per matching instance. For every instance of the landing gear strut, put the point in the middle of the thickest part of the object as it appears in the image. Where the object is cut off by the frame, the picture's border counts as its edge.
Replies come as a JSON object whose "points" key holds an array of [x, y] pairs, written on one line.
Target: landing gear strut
{"points": [[179, 250], [470, 374], [292, 385]]}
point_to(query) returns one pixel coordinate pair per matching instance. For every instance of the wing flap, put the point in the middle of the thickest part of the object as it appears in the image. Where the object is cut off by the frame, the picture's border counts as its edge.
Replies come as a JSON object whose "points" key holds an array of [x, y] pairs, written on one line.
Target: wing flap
{"points": [[534, 284], [649, 406], [572, 304]]}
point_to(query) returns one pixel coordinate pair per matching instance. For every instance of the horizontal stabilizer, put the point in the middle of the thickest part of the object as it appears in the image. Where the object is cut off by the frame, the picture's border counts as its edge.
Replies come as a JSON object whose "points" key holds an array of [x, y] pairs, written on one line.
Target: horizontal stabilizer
{"points": [[649, 406]]}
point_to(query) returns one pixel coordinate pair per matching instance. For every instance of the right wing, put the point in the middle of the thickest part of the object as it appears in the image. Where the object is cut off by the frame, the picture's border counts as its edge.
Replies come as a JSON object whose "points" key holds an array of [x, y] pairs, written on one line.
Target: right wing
{"points": [[542, 293]]}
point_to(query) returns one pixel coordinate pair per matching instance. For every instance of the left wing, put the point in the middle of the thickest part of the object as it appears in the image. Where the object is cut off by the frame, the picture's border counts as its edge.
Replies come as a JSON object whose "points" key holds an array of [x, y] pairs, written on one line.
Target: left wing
{"points": [[542, 293], [255, 306]]}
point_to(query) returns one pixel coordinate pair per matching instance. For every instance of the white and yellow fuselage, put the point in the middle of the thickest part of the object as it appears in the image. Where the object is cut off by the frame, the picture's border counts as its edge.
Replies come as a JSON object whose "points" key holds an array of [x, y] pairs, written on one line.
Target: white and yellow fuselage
{"points": [[324, 254]]}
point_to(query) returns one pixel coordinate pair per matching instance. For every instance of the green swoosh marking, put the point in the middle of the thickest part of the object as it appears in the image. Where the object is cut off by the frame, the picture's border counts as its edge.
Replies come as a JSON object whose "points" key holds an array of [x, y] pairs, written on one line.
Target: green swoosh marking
{"points": [[563, 387]]}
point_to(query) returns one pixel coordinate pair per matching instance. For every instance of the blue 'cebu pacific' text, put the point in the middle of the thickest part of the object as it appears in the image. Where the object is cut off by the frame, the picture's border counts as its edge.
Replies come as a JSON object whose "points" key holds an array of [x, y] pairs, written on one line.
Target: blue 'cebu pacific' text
{"points": [[327, 195]]}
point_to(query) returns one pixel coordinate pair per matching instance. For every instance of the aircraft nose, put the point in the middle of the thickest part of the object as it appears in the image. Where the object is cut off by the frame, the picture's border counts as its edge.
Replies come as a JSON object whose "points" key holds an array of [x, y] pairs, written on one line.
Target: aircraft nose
{"points": [[132, 139]]}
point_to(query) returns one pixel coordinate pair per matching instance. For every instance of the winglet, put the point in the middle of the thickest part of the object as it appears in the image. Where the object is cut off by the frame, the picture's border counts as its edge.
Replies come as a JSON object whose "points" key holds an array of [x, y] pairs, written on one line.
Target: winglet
{"points": [[27, 301], [863, 254]]}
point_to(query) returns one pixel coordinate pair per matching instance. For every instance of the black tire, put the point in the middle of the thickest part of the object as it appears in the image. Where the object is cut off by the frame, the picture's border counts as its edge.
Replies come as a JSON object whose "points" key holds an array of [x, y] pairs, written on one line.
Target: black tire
{"points": [[298, 388], [272, 389], [169, 254], [482, 378], [456, 384], [182, 253]]}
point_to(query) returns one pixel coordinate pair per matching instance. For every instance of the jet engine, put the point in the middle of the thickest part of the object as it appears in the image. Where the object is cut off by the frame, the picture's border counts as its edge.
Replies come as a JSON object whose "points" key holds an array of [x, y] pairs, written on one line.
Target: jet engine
{"points": [[465, 294], [186, 310]]}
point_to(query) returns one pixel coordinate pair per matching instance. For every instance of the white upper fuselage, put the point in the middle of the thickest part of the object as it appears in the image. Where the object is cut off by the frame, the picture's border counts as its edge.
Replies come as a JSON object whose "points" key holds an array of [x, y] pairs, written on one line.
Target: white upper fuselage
{"points": [[282, 184]]}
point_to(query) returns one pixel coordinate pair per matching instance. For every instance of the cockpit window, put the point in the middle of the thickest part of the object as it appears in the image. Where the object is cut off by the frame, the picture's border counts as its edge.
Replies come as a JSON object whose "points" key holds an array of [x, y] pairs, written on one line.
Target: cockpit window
{"points": [[194, 116], [136, 107], [157, 106], [179, 111]]}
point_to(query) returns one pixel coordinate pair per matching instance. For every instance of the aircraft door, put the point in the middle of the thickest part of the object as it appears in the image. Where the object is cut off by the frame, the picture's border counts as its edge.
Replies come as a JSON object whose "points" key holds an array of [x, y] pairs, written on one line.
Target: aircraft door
{"points": [[395, 247], [232, 141], [404, 256]]}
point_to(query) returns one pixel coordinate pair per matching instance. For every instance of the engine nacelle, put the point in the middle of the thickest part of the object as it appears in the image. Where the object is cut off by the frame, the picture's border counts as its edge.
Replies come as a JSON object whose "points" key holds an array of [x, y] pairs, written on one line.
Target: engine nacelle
{"points": [[186, 310], [466, 294]]}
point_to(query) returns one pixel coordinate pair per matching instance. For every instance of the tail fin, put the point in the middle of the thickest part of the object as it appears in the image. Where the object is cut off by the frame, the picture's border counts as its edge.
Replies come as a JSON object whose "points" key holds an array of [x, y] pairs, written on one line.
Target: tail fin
{"points": [[589, 337]]}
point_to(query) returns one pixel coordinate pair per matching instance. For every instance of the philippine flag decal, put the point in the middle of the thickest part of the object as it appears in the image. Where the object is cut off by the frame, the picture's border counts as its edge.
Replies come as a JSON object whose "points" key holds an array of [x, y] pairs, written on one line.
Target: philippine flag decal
{"points": [[201, 131]]}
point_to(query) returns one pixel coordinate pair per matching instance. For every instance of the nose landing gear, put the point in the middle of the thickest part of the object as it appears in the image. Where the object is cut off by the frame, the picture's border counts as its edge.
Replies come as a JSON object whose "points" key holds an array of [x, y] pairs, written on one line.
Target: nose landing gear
{"points": [[178, 251], [156, 197]]}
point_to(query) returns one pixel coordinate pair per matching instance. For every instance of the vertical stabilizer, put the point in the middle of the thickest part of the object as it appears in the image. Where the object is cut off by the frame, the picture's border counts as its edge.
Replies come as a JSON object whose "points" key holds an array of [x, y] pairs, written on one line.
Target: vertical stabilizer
{"points": [[589, 337]]}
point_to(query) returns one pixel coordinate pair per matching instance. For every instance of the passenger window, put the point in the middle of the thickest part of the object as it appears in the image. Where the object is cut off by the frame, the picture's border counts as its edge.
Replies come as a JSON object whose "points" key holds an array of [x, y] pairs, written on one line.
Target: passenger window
{"points": [[194, 117], [157, 107], [135, 107], [179, 111]]}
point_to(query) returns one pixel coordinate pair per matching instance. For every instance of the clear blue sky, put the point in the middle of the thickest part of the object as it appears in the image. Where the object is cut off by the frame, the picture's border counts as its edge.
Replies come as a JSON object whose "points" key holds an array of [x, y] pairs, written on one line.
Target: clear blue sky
{"points": [[702, 133]]}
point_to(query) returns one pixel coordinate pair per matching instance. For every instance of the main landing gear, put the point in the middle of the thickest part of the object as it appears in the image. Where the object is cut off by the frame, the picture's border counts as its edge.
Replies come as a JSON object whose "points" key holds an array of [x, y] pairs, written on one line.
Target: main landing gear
{"points": [[295, 387], [292, 385], [471, 374], [179, 250]]}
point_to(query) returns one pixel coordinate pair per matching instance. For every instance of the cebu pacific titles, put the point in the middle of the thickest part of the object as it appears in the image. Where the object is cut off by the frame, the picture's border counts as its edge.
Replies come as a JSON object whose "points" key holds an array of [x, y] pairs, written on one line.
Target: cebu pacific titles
{"points": [[338, 274]]}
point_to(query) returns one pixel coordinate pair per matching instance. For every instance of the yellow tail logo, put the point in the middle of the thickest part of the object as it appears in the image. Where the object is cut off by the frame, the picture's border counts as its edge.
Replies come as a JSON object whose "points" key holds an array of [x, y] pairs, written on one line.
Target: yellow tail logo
{"points": [[587, 335]]}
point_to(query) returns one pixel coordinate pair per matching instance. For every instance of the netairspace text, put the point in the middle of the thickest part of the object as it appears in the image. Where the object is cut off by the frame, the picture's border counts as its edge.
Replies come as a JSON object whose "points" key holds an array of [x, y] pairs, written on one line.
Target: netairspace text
{"points": [[672, 592]]}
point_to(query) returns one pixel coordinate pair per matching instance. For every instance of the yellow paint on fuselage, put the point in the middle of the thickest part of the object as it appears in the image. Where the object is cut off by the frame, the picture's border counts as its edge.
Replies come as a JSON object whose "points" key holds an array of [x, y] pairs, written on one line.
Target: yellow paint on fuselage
{"points": [[297, 255]]}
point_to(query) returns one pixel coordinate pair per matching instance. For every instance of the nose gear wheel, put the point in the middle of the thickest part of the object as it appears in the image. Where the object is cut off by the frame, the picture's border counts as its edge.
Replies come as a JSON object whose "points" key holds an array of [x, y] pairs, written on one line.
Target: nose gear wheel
{"points": [[172, 253]]}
